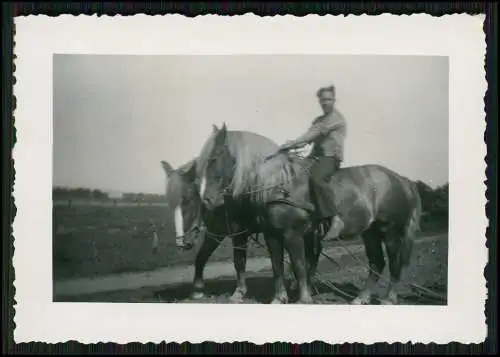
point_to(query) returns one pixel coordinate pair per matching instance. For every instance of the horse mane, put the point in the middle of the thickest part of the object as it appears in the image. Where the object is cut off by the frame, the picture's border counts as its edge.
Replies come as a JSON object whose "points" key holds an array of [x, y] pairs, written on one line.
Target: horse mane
{"points": [[281, 171], [249, 150], [204, 155]]}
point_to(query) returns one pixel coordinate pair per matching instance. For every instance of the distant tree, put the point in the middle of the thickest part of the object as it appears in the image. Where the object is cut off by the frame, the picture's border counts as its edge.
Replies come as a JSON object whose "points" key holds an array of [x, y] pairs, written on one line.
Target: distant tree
{"points": [[434, 205], [79, 193], [100, 195], [60, 193], [426, 195], [439, 206]]}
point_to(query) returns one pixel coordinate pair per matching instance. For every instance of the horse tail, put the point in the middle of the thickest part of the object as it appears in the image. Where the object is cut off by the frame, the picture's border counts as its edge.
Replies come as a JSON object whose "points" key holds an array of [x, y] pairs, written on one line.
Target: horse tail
{"points": [[412, 227]]}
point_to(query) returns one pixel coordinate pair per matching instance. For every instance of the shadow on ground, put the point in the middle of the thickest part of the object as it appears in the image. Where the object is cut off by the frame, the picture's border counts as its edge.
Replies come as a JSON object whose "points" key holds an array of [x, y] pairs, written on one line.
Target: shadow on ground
{"points": [[260, 291], [261, 288]]}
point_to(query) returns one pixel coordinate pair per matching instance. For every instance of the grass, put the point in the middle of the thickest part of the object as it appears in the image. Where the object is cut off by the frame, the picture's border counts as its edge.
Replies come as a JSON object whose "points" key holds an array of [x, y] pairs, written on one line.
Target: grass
{"points": [[99, 240], [94, 240]]}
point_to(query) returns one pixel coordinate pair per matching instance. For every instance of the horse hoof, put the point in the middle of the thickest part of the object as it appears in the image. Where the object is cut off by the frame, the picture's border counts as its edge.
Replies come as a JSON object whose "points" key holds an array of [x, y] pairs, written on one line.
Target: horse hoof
{"points": [[237, 297], [386, 302], [360, 301], [356, 301], [277, 301], [306, 301], [197, 295]]}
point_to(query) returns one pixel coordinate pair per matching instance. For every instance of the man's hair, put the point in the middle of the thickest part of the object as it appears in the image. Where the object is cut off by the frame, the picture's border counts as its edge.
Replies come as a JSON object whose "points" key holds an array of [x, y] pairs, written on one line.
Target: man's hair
{"points": [[330, 88]]}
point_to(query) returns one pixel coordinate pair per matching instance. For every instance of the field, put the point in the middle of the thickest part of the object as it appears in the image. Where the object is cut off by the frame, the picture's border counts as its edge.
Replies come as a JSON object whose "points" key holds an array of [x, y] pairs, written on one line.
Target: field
{"points": [[99, 240], [90, 243]]}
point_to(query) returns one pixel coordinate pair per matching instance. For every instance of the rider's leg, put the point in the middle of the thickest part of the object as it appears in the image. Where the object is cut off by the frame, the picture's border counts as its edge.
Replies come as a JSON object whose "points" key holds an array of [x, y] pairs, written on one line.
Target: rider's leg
{"points": [[321, 173]]}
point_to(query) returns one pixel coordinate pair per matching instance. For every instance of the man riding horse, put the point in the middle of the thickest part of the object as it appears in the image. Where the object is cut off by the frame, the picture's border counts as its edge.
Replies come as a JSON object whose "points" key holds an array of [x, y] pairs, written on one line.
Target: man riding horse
{"points": [[327, 134]]}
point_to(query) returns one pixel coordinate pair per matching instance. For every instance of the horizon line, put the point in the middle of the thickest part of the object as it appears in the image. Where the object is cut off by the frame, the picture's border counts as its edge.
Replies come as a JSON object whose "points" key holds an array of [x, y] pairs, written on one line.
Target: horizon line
{"points": [[158, 193]]}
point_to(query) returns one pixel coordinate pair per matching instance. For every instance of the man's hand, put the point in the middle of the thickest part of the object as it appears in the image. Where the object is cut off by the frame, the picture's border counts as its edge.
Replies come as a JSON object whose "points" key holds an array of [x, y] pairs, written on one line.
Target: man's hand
{"points": [[283, 148], [286, 146], [269, 157]]}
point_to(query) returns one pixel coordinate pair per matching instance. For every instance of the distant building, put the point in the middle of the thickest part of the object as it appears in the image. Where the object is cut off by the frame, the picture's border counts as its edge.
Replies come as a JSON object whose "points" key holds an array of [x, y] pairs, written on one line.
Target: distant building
{"points": [[115, 195]]}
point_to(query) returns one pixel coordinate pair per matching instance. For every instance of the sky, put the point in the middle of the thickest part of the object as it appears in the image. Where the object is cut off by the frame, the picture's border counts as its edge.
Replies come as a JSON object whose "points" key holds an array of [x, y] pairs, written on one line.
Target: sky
{"points": [[115, 117]]}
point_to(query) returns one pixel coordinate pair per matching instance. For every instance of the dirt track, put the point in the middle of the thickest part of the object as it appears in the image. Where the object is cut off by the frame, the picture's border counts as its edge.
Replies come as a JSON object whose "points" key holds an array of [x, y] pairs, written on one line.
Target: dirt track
{"points": [[174, 283]]}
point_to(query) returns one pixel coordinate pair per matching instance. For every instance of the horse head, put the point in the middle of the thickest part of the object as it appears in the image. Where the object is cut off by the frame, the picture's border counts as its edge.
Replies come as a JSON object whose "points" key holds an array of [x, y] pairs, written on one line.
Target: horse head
{"points": [[184, 202], [219, 170]]}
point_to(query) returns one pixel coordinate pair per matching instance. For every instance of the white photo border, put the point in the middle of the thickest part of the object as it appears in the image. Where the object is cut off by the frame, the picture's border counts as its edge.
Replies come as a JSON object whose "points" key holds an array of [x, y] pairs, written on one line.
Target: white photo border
{"points": [[38, 38]]}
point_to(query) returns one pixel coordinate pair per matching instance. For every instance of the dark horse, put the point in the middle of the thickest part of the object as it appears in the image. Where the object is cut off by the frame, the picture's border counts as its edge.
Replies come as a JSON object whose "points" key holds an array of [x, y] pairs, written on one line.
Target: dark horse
{"points": [[378, 204], [183, 189]]}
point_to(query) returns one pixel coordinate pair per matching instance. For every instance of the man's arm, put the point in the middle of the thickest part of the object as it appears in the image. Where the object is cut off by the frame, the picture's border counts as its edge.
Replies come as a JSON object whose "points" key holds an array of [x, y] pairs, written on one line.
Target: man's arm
{"points": [[335, 122], [313, 132]]}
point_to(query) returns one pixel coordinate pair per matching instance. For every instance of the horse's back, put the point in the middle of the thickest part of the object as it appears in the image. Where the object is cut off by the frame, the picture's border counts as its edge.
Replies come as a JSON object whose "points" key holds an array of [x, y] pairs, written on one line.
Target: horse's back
{"points": [[389, 195], [251, 140]]}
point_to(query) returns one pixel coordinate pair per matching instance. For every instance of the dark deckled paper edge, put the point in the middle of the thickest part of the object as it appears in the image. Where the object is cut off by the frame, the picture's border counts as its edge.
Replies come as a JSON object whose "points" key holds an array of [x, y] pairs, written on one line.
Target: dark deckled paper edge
{"points": [[193, 9]]}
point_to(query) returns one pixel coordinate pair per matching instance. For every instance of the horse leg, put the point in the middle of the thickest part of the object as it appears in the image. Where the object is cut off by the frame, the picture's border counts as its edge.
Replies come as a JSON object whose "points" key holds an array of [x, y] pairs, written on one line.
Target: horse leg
{"points": [[376, 262], [276, 253], [395, 251], [293, 241], [206, 250], [294, 285], [240, 262], [293, 223], [391, 296], [313, 248], [312, 255]]}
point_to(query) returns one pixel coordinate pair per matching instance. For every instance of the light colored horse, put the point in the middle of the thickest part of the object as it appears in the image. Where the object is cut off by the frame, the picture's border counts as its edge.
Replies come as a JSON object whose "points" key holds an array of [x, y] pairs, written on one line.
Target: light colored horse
{"points": [[376, 203]]}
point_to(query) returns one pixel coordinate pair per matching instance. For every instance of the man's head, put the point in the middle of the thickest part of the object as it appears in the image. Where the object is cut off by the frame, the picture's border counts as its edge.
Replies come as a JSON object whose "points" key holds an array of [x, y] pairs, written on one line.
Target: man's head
{"points": [[326, 98]]}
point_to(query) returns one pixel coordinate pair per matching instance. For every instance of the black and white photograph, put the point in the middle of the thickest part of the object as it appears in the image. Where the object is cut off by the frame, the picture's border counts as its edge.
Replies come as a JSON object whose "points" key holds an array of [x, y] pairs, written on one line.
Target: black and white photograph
{"points": [[331, 181], [251, 167]]}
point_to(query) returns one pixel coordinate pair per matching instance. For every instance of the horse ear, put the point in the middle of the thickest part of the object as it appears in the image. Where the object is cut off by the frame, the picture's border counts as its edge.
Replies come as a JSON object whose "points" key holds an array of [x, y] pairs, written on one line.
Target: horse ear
{"points": [[215, 129], [190, 173], [168, 169], [221, 136]]}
